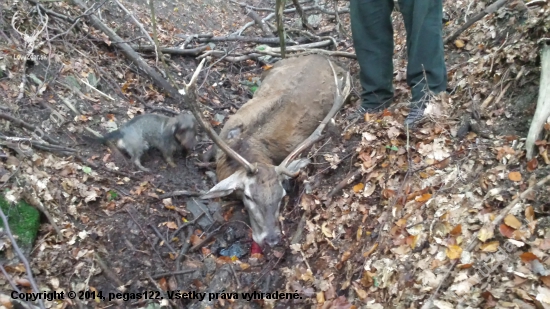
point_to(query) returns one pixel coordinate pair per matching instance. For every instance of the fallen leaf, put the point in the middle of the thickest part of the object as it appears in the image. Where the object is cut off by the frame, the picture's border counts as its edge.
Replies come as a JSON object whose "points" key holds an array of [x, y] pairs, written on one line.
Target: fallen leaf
{"points": [[362, 294], [544, 155], [423, 197], [506, 230], [528, 257], [358, 187], [345, 256], [369, 190], [171, 225], [320, 297], [326, 230], [401, 222], [163, 284], [457, 230], [453, 252], [544, 295], [195, 240], [532, 165], [412, 241], [485, 233], [371, 250], [514, 176], [387, 193], [490, 246], [512, 221], [393, 132], [530, 213]]}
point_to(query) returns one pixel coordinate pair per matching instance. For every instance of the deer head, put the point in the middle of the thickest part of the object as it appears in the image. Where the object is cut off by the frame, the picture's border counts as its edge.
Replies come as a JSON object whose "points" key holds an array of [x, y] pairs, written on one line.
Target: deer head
{"points": [[260, 184], [261, 193]]}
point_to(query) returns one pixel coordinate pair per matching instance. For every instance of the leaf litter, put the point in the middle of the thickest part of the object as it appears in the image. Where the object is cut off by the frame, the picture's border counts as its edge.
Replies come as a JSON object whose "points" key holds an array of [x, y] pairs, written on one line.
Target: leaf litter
{"points": [[391, 235]]}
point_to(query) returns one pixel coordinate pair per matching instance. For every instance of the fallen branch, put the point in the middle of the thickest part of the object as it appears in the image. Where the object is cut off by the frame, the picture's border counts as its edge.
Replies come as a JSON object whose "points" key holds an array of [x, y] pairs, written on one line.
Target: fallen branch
{"points": [[250, 24], [25, 142], [307, 51], [305, 8], [542, 111], [127, 50], [170, 50], [488, 10], [488, 227], [140, 26], [109, 273], [10, 279], [302, 14], [28, 270], [159, 235], [181, 272], [180, 193], [28, 127], [188, 223], [342, 184], [260, 22], [259, 40], [294, 48], [535, 2], [145, 234]]}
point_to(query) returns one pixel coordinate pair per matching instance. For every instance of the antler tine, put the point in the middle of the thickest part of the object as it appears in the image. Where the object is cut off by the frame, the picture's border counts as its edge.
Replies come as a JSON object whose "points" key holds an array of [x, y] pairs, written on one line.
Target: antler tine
{"points": [[283, 170], [190, 98], [339, 97]]}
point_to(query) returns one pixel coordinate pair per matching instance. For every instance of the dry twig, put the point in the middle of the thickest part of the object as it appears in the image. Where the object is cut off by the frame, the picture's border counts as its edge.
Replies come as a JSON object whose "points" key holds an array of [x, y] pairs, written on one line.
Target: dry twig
{"points": [[22, 257]]}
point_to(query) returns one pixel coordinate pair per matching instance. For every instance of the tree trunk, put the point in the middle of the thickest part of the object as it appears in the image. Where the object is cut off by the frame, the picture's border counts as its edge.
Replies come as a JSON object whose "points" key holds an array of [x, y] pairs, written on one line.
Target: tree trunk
{"points": [[543, 104]]}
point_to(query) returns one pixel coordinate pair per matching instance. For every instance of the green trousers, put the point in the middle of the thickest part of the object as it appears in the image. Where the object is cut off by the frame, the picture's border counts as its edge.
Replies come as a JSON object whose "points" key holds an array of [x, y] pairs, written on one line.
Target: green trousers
{"points": [[373, 40]]}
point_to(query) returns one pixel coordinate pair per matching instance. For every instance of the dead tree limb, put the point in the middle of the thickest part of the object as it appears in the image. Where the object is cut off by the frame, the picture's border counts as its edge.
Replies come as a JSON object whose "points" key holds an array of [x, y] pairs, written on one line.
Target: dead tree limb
{"points": [[542, 111], [250, 24], [246, 39], [305, 8], [488, 10], [302, 14], [22, 257], [28, 127], [129, 52], [260, 22]]}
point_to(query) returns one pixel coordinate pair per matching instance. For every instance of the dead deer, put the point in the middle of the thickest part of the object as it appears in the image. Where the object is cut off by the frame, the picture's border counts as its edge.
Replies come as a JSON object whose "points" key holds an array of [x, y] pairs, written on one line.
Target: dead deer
{"points": [[258, 144]]}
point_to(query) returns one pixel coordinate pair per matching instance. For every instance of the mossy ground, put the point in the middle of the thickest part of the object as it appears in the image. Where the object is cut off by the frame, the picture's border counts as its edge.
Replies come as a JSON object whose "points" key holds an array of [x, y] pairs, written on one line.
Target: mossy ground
{"points": [[23, 219]]}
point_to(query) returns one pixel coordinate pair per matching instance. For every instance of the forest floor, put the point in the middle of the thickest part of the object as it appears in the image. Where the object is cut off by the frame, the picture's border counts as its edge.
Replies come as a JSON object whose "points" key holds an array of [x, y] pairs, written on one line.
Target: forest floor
{"points": [[411, 227]]}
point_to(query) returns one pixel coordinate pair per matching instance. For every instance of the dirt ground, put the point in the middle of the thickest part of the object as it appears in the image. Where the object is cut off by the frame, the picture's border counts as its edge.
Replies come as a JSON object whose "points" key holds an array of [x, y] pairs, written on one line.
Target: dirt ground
{"points": [[120, 232]]}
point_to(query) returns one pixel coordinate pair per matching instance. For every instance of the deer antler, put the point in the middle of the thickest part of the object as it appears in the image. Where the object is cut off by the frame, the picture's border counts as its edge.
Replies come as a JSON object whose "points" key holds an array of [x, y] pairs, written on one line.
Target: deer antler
{"points": [[343, 89], [283, 170], [190, 98]]}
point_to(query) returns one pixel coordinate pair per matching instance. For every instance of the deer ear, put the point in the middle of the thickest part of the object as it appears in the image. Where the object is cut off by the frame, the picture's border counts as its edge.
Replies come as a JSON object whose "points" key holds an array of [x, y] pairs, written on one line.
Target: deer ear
{"points": [[226, 186]]}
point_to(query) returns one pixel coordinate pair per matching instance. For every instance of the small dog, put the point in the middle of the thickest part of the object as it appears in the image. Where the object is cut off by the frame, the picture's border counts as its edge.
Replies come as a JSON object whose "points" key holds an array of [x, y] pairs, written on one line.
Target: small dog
{"points": [[167, 134]]}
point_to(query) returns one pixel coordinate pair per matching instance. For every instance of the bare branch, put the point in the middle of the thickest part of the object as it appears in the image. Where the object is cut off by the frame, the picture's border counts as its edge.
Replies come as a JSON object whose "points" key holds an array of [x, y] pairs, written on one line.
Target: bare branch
{"points": [[21, 257], [488, 10]]}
